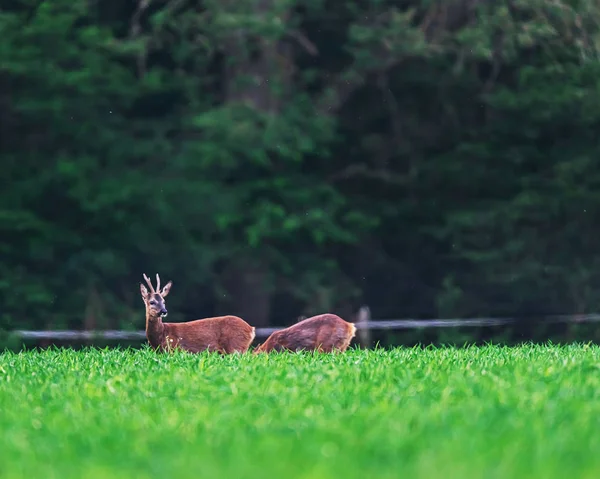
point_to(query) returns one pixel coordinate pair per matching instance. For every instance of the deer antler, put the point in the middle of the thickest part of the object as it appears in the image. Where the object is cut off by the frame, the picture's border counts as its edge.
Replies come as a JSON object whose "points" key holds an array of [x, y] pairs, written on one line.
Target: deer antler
{"points": [[149, 283], [157, 283]]}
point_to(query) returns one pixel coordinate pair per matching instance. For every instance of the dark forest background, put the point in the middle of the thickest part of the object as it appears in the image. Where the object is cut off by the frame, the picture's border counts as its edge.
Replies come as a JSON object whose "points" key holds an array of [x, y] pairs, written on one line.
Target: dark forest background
{"points": [[278, 158]]}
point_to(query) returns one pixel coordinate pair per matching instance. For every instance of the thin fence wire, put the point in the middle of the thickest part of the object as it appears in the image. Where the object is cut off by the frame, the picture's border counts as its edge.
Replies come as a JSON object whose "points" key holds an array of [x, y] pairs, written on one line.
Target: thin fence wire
{"points": [[390, 324]]}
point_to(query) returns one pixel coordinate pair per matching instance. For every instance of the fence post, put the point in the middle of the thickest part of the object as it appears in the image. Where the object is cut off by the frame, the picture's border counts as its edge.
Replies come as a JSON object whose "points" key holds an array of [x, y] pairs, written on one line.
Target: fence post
{"points": [[363, 333]]}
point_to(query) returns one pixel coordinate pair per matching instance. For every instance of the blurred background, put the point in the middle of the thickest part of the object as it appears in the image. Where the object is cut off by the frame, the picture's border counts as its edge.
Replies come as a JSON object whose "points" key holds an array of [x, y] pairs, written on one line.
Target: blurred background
{"points": [[277, 159]]}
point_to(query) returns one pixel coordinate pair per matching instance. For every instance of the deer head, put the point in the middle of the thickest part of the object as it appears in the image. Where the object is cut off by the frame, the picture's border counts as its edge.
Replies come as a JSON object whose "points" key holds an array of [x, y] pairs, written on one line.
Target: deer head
{"points": [[155, 299]]}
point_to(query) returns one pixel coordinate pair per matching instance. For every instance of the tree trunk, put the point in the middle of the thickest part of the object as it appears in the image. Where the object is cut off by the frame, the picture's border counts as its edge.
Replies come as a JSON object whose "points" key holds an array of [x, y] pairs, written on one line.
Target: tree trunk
{"points": [[257, 74], [247, 292]]}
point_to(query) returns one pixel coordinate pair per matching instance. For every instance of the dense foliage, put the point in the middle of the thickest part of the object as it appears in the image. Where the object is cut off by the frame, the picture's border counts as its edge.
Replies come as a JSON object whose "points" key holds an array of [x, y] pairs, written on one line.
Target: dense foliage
{"points": [[424, 413], [284, 158]]}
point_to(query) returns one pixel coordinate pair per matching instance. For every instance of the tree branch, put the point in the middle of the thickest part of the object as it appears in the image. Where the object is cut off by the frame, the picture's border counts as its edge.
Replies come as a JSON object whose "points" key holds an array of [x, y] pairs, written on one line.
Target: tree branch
{"points": [[379, 44], [135, 31], [360, 169]]}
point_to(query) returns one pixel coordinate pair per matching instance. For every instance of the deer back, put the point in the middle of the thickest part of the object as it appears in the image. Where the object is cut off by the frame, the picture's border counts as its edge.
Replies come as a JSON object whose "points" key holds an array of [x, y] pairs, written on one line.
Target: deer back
{"points": [[325, 332], [224, 334]]}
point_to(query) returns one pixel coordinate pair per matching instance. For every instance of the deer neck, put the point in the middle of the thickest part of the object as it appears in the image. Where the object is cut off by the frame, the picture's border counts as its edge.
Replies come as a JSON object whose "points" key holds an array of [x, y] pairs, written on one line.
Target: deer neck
{"points": [[155, 330]]}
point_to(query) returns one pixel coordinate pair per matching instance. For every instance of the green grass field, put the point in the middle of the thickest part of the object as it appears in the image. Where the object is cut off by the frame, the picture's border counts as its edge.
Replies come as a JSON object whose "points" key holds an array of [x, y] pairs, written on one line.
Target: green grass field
{"points": [[490, 412]]}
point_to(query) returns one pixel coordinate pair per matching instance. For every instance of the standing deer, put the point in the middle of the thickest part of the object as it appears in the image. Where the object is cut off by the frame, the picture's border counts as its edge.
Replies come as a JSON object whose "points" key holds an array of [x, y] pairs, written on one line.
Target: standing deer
{"points": [[224, 334], [324, 333]]}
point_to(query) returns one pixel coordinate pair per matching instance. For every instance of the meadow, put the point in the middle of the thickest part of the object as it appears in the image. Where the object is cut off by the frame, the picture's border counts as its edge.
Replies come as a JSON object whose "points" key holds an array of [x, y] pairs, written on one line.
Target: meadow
{"points": [[493, 412]]}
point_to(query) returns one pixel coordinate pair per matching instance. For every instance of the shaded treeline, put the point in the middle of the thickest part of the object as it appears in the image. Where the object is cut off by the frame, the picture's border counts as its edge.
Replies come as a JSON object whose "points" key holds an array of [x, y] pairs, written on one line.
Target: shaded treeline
{"points": [[285, 158]]}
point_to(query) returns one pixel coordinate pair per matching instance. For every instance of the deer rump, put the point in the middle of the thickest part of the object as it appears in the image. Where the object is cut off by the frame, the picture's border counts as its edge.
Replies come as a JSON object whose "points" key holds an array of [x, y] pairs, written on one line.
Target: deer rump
{"points": [[324, 333], [223, 334]]}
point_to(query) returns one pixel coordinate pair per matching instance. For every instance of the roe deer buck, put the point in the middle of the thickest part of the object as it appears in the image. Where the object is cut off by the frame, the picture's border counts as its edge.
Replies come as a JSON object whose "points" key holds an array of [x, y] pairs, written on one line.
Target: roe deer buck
{"points": [[325, 333], [224, 334]]}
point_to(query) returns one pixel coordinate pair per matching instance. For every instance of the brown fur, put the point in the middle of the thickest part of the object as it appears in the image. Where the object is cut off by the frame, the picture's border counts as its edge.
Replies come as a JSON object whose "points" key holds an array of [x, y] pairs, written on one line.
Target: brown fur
{"points": [[223, 334], [325, 333]]}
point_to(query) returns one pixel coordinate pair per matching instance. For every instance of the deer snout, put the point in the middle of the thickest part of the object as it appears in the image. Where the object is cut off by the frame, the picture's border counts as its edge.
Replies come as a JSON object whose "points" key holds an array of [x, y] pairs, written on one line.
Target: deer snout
{"points": [[163, 311]]}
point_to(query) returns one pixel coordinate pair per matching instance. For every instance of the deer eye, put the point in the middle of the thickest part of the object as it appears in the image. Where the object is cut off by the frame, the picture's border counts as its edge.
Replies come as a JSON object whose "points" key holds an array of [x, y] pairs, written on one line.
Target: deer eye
{"points": [[153, 303]]}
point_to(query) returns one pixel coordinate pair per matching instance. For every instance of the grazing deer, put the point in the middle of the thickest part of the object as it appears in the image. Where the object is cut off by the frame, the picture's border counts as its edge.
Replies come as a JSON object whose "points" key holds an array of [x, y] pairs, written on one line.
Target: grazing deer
{"points": [[224, 334], [324, 333]]}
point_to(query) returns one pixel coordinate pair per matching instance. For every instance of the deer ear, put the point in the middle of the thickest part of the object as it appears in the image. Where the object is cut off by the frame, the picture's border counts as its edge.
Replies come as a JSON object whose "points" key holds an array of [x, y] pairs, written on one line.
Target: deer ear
{"points": [[144, 292], [166, 289]]}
